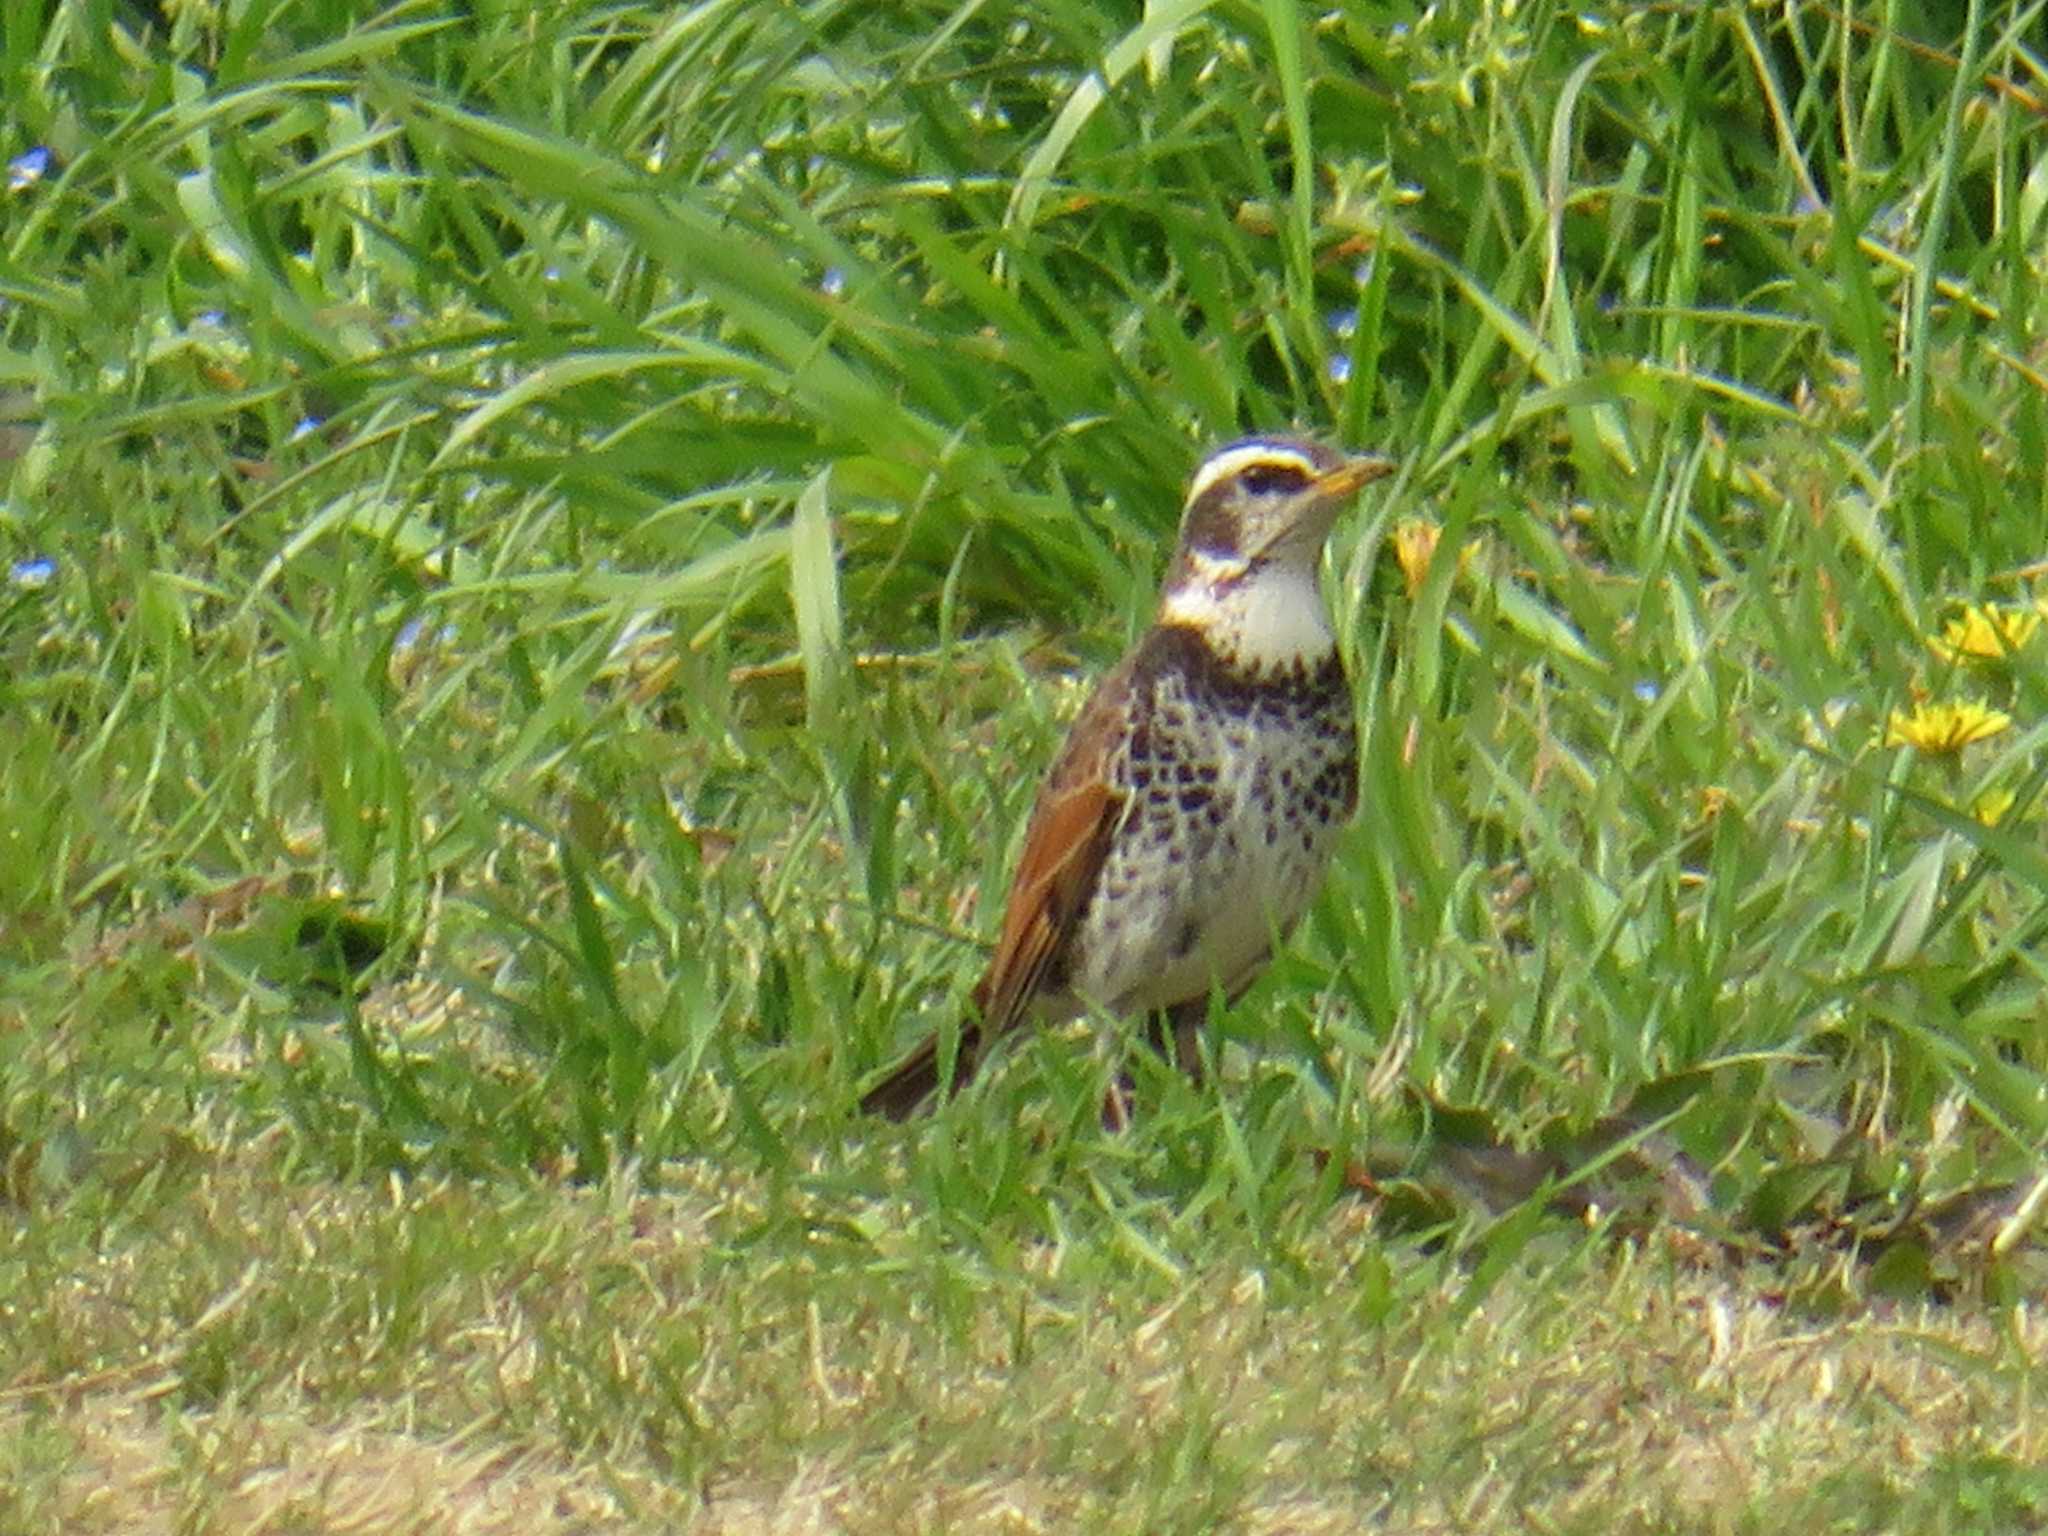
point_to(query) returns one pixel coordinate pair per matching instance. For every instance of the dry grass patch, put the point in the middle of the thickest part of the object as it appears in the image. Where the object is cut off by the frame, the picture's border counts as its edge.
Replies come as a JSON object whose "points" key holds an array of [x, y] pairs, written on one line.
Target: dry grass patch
{"points": [[266, 1356], [124, 1465]]}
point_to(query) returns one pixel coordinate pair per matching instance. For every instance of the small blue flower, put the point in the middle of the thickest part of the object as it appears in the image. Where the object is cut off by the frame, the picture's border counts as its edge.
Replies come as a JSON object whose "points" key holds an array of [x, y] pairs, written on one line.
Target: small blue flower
{"points": [[1340, 367], [1362, 273], [416, 634], [211, 319], [833, 283], [1344, 322], [31, 574], [306, 426], [24, 171], [1646, 691]]}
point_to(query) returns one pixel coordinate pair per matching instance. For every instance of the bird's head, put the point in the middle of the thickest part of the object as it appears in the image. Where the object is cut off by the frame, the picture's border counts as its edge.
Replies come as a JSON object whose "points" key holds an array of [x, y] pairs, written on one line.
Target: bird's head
{"points": [[1268, 499], [1252, 533]]}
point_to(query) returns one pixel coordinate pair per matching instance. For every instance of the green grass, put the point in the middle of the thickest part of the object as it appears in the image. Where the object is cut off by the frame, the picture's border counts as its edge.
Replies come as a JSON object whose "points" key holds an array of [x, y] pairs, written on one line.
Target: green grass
{"points": [[545, 548]]}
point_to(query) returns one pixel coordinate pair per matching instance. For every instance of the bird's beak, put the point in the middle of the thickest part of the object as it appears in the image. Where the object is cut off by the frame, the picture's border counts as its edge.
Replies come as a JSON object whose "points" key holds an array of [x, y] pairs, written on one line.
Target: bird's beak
{"points": [[1353, 473], [1315, 512]]}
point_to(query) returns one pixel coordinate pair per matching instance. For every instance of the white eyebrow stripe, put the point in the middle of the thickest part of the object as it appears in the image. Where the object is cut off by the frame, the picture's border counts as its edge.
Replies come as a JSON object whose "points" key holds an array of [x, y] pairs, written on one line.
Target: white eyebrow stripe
{"points": [[1232, 461], [1215, 570]]}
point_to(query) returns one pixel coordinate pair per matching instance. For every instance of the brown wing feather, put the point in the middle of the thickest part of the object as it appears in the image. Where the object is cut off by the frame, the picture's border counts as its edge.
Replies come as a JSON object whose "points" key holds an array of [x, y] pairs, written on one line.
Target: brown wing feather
{"points": [[1071, 827], [1064, 845]]}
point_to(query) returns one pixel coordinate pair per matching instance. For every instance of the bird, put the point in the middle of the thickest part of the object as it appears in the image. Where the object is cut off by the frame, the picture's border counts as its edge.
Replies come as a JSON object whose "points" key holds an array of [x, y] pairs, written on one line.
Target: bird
{"points": [[1192, 810]]}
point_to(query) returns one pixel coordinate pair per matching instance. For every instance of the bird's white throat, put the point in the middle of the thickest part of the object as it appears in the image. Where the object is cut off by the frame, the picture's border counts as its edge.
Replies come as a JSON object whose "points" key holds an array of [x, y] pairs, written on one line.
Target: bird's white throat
{"points": [[1271, 617]]}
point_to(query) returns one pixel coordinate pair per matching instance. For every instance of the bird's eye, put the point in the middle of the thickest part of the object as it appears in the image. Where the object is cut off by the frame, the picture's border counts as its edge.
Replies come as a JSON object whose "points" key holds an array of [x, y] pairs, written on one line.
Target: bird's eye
{"points": [[1273, 479]]}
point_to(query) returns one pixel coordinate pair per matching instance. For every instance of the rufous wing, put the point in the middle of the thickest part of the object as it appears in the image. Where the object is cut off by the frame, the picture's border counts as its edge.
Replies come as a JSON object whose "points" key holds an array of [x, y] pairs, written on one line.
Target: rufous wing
{"points": [[1065, 844]]}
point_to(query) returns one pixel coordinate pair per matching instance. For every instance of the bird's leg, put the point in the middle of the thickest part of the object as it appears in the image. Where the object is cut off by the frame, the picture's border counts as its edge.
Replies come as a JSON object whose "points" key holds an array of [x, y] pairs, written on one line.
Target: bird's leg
{"points": [[1116, 1105], [1176, 1035]]}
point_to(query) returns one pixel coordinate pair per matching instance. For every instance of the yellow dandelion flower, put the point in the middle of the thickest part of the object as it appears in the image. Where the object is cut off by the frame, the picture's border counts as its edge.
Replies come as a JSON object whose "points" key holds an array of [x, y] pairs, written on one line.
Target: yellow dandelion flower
{"points": [[1992, 805], [1941, 730], [1414, 547], [1984, 633], [1415, 540]]}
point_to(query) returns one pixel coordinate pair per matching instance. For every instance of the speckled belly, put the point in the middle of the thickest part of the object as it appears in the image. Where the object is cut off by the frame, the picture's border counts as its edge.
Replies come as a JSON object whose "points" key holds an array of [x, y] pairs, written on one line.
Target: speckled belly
{"points": [[1235, 799]]}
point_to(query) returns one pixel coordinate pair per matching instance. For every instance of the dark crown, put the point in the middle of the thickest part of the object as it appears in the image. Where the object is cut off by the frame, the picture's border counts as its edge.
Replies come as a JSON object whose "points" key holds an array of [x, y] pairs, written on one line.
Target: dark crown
{"points": [[1241, 481]]}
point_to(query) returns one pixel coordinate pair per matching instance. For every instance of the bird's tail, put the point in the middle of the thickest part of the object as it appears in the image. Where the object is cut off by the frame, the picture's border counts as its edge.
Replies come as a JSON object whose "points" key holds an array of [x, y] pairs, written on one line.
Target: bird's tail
{"points": [[911, 1086]]}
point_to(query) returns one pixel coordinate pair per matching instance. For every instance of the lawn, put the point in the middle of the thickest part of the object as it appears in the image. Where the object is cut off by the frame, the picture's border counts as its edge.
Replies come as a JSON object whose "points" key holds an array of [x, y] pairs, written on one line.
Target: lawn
{"points": [[544, 548]]}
